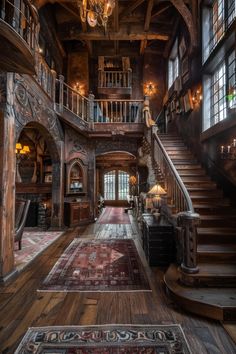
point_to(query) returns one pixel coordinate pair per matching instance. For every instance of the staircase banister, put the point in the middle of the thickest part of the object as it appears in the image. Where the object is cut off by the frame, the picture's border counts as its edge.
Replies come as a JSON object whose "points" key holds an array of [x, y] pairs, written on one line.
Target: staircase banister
{"points": [[76, 92], [181, 185]]}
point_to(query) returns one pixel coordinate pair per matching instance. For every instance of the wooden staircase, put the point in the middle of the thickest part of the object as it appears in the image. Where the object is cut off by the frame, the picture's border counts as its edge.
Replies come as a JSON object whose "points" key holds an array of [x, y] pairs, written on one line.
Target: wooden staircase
{"points": [[211, 291]]}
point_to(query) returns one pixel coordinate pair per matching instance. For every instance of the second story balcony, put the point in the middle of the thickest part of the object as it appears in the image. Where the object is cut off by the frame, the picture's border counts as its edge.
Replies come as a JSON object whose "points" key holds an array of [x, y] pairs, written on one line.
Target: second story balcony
{"points": [[115, 83], [18, 36]]}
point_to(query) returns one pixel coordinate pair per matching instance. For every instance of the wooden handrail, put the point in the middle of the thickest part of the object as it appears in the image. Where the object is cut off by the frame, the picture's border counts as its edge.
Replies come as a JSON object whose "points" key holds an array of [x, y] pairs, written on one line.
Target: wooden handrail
{"points": [[187, 219], [187, 205]]}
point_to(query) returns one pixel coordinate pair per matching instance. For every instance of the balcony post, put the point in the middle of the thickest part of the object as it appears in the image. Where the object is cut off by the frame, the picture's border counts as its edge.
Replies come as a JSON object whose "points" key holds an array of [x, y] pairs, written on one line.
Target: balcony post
{"points": [[61, 93], [53, 87], [91, 110], [188, 222]]}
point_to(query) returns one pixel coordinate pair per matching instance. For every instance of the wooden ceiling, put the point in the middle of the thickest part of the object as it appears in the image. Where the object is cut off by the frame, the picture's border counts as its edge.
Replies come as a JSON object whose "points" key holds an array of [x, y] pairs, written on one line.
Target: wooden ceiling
{"points": [[135, 27]]}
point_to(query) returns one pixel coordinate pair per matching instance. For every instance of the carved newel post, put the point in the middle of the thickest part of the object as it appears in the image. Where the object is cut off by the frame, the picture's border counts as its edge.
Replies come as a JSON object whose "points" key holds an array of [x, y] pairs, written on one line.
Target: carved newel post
{"points": [[188, 222]]}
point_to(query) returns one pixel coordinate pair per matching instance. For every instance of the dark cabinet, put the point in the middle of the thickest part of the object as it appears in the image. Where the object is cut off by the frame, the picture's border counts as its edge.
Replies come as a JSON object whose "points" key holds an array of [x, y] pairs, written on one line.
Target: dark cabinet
{"points": [[76, 213], [158, 240]]}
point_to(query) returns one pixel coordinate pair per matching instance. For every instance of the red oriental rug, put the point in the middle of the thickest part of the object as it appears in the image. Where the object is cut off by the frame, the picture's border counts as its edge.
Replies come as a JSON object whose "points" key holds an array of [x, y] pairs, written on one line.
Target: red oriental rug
{"points": [[114, 215], [106, 339], [98, 265]]}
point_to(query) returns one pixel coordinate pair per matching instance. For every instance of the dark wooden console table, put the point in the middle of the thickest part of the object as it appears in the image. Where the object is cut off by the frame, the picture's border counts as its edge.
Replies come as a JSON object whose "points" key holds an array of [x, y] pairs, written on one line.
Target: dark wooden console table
{"points": [[158, 240]]}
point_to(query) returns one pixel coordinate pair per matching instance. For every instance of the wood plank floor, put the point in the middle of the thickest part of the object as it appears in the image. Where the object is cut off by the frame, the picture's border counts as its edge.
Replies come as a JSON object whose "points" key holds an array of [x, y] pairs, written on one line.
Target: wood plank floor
{"points": [[21, 306]]}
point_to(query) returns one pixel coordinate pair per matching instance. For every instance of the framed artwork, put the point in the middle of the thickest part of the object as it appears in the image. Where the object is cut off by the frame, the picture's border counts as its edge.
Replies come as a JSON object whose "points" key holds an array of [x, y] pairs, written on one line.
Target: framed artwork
{"points": [[48, 178], [184, 66], [187, 101], [182, 48]]}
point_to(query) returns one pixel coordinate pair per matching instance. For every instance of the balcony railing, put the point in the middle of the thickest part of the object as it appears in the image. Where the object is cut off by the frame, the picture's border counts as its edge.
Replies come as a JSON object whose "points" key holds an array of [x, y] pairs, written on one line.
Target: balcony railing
{"points": [[70, 99], [22, 16], [45, 76], [114, 79], [118, 111]]}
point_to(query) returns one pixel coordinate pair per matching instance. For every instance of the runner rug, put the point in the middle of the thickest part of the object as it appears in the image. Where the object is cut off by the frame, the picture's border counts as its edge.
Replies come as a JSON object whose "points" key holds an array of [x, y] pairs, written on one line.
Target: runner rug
{"points": [[98, 265], [107, 339], [114, 216], [33, 244]]}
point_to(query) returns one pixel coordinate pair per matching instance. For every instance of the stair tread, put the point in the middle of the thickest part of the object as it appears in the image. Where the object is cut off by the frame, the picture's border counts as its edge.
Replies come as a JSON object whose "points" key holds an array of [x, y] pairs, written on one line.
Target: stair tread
{"points": [[216, 248], [215, 269], [216, 230], [217, 217], [219, 297]]}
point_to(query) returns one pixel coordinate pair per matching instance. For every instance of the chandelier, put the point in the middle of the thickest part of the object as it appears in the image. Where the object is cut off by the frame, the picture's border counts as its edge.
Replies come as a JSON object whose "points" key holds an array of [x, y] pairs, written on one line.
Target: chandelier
{"points": [[96, 12]]}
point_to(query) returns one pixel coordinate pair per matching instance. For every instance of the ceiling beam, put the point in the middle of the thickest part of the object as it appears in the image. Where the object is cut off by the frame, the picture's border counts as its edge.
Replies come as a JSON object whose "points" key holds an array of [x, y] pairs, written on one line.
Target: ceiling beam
{"points": [[143, 43], [160, 11], [131, 8], [122, 35], [116, 16], [148, 15]]}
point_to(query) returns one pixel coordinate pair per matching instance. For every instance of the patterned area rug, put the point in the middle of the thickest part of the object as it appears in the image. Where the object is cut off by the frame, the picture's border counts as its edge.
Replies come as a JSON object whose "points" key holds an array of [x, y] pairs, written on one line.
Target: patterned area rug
{"points": [[33, 243], [97, 265], [113, 339], [114, 215]]}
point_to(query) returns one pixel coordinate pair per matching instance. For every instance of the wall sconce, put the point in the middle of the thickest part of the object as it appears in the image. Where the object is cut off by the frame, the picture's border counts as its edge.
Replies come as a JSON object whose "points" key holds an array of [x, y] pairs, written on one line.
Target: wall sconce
{"points": [[197, 97], [228, 152], [79, 88], [149, 89]]}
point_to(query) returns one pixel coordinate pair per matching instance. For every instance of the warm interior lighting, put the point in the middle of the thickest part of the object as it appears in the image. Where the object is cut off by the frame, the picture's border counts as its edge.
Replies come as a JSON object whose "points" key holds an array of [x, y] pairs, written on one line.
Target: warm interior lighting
{"points": [[22, 150], [157, 191], [229, 151], [149, 89], [132, 180], [79, 88], [197, 97], [18, 146], [96, 12]]}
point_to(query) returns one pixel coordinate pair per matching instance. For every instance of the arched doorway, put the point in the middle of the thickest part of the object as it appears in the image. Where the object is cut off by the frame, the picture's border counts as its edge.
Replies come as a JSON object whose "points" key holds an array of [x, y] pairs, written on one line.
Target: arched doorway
{"points": [[114, 170], [37, 176]]}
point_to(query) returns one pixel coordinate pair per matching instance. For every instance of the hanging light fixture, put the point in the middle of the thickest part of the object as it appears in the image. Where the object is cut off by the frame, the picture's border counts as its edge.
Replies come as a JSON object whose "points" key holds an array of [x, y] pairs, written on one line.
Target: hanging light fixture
{"points": [[96, 12]]}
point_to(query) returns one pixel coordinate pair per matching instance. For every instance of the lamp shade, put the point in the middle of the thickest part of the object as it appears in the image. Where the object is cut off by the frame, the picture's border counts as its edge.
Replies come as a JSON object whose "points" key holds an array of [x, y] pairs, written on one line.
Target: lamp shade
{"points": [[18, 146], [157, 190]]}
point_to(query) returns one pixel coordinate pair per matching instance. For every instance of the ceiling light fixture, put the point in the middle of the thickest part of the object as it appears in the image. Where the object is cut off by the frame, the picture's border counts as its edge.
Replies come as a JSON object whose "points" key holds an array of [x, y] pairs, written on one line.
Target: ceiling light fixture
{"points": [[96, 12]]}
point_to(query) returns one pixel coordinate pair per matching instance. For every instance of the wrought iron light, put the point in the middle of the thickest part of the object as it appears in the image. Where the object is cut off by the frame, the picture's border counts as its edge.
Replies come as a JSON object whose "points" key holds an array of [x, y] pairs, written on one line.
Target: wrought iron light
{"points": [[96, 12]]}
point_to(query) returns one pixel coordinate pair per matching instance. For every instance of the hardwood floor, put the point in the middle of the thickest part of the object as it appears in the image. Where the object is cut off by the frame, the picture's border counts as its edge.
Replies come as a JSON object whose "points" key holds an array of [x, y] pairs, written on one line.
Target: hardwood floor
{"points": [[21, 306]]}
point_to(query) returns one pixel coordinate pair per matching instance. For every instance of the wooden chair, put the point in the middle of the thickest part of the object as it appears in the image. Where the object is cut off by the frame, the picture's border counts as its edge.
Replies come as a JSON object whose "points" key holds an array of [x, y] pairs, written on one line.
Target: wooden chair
{"points": [[22, 208]]}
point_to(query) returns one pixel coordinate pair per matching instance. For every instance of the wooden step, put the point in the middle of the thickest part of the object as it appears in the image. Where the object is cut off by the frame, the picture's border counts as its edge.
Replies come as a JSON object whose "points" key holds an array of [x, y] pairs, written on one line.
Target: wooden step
{"points": [[218, 221], [205, 190], [210, 209], [209, 199], [217, 303], [188, 167], [221, 253], [196, 179], [191, 172], [176, 148], [212, 274], [216, 235]]}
